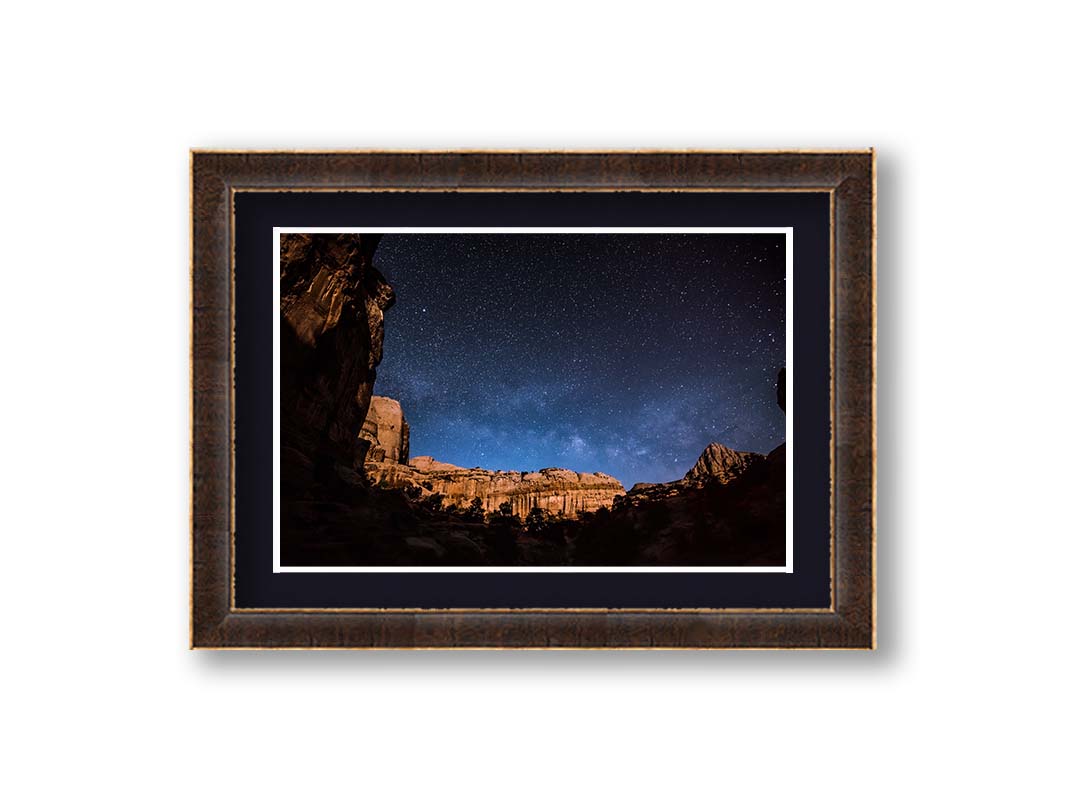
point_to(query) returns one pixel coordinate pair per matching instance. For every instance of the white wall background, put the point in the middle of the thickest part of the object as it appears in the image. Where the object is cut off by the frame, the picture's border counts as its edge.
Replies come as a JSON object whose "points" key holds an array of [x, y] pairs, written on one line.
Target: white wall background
{"points": [[101, 102]]}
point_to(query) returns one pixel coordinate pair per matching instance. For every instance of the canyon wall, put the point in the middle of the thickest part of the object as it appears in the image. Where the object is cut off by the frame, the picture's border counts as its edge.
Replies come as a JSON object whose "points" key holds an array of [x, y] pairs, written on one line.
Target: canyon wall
{"points": [[386, 432], [557, 491], [332, 308]]}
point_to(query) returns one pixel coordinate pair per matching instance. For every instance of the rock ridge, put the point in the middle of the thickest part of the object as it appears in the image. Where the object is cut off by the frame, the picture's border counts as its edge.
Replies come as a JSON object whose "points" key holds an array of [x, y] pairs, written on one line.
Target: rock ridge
{"points": [[720, 464], [553, 489]]}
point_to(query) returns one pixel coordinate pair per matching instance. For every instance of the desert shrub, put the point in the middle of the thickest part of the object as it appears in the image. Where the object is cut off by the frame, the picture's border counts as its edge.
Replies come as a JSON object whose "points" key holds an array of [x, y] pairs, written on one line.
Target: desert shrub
{"points": [[536, 521], [475, 512]]}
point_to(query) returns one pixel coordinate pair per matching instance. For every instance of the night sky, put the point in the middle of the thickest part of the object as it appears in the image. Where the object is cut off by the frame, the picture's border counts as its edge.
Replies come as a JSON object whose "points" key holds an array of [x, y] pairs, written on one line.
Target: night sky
{"points": [[619, 353]]}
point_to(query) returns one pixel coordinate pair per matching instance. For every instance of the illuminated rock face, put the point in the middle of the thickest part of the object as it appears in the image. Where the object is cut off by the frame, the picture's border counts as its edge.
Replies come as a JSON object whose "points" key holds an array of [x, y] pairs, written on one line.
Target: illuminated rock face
{"points": [[556, 491], [386, 432]]}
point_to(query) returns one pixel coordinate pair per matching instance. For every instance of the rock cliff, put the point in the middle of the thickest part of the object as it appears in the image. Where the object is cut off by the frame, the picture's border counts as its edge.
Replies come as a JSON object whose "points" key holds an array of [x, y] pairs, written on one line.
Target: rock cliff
{"points": [[386, 432], [332, 307], [557, 491]]}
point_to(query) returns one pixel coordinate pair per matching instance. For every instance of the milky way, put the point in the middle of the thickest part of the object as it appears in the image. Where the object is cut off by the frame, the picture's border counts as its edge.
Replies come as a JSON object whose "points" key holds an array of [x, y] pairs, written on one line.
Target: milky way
{"points": [[621, 353]]}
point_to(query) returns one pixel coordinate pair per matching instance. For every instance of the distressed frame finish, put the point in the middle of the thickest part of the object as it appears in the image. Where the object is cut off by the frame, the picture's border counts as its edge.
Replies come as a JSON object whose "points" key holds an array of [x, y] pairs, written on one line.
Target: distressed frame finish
{"points": [[850, 178]]}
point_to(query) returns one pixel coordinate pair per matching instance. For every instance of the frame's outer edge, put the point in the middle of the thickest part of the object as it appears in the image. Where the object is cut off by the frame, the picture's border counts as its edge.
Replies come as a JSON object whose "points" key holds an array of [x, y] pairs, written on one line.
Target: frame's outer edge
{"points": [[211, 388], [849, 174], [853, 413]]}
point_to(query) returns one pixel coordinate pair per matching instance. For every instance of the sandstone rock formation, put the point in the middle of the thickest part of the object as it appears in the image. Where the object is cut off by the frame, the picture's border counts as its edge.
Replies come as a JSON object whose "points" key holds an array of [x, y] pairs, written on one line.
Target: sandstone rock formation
{"points": [[431, 464], [332, 307], [719, 464], [557, 491], [386, 432]]}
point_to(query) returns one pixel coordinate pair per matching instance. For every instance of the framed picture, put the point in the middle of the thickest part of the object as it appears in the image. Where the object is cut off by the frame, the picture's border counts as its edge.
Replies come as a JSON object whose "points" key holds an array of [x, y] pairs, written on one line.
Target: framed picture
{"points": [[533, 399]]}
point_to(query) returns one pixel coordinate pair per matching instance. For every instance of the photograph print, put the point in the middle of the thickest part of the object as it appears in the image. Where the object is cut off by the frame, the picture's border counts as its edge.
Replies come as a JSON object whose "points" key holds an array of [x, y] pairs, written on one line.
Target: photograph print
{"points": [[532, 399]]}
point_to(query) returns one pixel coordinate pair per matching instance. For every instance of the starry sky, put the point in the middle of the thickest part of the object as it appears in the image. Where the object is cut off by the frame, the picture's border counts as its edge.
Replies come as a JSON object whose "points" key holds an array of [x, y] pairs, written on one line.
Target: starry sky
{"points": [[620, 353]]}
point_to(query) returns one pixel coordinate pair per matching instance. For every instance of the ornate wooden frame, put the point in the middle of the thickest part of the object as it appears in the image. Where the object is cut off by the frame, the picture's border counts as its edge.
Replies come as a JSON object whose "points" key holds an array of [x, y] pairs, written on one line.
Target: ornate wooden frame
{"points": [[849, 177]]}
